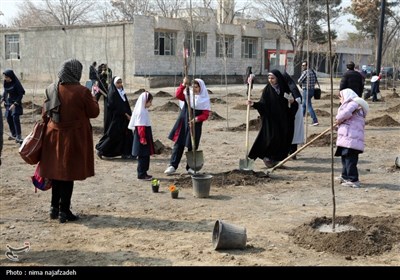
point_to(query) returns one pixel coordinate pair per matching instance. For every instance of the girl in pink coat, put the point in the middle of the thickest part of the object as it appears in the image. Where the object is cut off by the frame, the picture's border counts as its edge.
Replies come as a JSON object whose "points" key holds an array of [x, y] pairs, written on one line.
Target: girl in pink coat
{"points": [[350, 119]]}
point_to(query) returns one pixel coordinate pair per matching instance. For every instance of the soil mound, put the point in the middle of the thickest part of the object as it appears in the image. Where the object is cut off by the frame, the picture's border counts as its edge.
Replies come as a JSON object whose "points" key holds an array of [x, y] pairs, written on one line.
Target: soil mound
{"points": [[394, 109], [386, 121], [168, 107], [366, 236], [162, 94], [230, 178], [240, 107], [321, 113], [215, 117], [323, 141], [217, 100], [139, 91]]}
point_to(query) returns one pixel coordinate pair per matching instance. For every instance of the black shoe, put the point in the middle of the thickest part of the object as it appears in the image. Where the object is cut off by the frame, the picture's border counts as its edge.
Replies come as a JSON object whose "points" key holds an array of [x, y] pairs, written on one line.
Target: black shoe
{"points": [[67, 217], [128, 157], [54, 213], [146, 178]]}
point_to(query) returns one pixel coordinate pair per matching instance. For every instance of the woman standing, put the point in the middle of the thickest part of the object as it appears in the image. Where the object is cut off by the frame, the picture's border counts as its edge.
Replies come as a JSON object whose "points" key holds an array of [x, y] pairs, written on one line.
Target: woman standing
{"points": [[143, 144], [13, 94], [298, 134], [180, 133], [350, 140], [117, 139], [67, 153], [277, 110]]}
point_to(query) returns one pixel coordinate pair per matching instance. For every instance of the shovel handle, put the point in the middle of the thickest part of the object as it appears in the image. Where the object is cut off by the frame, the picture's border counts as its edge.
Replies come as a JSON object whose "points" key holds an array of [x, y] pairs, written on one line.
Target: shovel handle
{"points": [[302, 148], [248, 119]]}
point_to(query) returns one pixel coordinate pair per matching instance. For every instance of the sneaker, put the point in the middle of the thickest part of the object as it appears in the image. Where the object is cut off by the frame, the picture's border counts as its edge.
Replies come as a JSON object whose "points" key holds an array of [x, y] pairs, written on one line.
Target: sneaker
{"points": [[190, 171], [351, 184], [341, 179], [146, 178], [315, 124], [170, 170], [11, 137]]}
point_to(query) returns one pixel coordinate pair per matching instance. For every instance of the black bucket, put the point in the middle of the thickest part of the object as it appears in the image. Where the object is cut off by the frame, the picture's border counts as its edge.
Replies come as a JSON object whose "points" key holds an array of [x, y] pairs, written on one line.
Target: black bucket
{"points": [[228, 236]]}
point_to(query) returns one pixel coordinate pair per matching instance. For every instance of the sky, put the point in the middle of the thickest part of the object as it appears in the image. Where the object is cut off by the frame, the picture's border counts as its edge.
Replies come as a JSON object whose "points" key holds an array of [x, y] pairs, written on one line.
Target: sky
{"points": [[9, 9]]}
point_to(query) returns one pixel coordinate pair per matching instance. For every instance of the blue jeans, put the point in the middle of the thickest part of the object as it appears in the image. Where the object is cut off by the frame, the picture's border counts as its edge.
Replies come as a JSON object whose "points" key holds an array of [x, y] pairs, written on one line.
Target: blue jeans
{"points": [[349, 167], [309, 104], [177, 153], [14, 123]]}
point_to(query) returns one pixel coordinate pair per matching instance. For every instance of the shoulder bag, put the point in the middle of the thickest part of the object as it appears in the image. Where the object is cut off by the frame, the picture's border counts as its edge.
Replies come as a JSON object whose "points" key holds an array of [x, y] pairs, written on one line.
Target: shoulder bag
{"points": [[317, 90], [39, 182], [31, 147]]}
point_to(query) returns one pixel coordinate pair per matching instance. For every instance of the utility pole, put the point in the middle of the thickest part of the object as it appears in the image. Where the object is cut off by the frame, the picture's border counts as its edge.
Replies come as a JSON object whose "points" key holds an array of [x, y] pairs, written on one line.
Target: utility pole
{"points": [[381, 24]]}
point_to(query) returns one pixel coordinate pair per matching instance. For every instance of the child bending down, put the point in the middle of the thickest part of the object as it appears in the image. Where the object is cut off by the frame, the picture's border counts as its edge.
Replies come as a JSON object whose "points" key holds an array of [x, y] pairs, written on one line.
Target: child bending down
{"points": [[143, 145], [350, 119]]}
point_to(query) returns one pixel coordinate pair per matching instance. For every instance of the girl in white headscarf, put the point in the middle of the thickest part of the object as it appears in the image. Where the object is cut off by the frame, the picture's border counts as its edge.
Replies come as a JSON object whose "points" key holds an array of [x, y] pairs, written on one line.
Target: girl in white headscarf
{"points": [[143, 146], [350, 119], [180, 133]]}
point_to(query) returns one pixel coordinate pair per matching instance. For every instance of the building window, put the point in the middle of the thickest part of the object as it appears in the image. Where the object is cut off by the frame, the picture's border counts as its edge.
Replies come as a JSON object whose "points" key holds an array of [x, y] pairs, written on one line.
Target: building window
{"points": [[12, 46], [164, 43], [200, 44], [224, 46], [249, 47]]}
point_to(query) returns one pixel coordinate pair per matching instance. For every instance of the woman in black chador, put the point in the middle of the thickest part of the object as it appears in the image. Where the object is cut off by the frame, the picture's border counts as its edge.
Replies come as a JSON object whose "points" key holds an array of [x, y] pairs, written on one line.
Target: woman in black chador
{"points": [[277, 109], [117, 139]]}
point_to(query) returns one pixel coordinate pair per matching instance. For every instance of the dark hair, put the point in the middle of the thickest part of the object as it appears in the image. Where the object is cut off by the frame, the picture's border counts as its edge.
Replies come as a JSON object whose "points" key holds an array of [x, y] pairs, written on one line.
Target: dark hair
{"points": [[350, 65], [149, 97]]}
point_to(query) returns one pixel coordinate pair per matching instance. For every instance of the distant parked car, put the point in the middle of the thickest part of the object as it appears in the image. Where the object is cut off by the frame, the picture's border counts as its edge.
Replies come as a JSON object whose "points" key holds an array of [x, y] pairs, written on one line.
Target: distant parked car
{"points": [[387, 72], [368, 69]]}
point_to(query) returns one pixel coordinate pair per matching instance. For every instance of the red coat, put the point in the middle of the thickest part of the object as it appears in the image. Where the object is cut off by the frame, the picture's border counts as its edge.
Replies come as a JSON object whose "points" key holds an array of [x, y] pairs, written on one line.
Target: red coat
{"points": [[68, 152]]}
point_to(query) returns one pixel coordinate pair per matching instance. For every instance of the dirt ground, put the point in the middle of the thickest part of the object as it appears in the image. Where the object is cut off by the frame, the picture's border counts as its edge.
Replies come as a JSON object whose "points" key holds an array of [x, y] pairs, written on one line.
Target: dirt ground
{"points": [[287, 213]]}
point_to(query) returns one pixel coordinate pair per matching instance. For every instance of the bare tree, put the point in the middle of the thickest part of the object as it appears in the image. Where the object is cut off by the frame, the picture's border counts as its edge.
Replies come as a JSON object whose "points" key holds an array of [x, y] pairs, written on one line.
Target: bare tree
{"points": [[367, 22], [129, 8], [54, 12], [294, 17], [169, 8]]}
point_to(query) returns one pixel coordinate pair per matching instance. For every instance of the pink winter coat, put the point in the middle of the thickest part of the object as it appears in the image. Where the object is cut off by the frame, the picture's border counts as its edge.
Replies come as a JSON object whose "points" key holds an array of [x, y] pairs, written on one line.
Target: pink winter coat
{"points": [[351, 117]]}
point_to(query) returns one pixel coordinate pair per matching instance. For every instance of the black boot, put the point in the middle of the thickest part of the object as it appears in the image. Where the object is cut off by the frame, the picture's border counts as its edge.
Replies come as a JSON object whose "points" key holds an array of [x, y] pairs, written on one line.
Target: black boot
{"points": [[67, 216], [54, 213]]}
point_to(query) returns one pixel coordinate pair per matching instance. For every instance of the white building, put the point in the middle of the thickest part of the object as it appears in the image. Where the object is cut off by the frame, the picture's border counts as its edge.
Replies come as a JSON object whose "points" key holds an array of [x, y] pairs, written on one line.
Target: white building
{"points": [[149, 47]]}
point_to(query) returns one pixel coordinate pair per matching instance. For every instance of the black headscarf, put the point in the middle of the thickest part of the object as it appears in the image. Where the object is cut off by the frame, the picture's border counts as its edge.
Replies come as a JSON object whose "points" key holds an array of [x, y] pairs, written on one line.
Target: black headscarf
{"points": [[15, 85]]}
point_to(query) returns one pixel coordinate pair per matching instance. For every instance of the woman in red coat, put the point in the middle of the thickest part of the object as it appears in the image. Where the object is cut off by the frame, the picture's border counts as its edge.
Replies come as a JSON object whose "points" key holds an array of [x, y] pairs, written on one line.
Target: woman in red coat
{"points": [[67, 153]]}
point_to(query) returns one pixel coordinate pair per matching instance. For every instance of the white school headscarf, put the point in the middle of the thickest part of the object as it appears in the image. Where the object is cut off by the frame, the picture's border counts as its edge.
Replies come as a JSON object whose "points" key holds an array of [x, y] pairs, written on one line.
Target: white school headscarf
{"points": [[349, 94], [121, 91], [140, 115], [202, 100]]}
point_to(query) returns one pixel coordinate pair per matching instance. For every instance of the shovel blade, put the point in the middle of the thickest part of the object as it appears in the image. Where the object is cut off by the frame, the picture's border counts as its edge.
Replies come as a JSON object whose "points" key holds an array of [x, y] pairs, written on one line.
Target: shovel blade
{"points": [[246, 164], [195, 160]]}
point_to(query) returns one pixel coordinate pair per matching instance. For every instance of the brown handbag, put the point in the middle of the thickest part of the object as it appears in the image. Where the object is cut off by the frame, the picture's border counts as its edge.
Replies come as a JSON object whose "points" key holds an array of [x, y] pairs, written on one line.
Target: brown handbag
{"points": [[31, 147]]}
